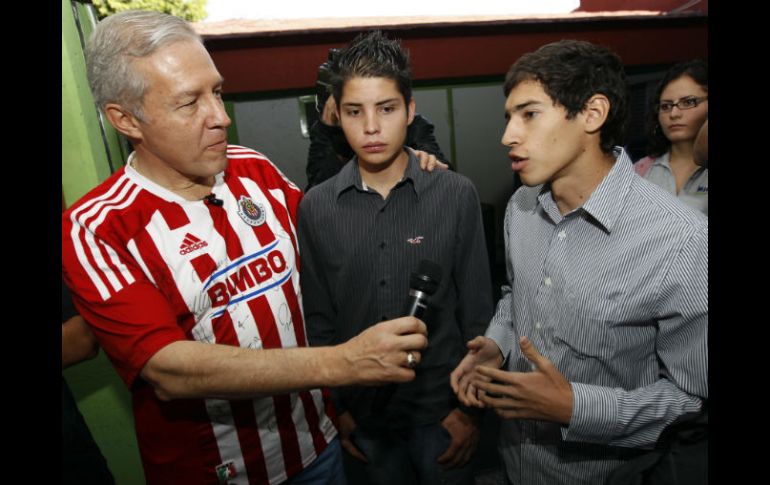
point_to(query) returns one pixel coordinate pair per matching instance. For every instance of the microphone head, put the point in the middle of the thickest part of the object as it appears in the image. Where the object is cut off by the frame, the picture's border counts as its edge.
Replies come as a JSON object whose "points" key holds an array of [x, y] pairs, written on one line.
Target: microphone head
{"points": [[212, 199], [427, 278]]}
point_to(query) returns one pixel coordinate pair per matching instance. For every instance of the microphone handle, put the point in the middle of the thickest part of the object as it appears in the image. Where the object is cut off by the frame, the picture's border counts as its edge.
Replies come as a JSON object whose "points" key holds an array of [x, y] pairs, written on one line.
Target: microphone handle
{"points": [[416, 304], [415, 307]]}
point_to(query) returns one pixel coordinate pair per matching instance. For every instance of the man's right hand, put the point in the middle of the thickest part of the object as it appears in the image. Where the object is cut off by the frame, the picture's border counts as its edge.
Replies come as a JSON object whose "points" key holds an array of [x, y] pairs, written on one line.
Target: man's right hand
{"points": [[329, 115], [481, 351], [379, 354], [347, 425]]}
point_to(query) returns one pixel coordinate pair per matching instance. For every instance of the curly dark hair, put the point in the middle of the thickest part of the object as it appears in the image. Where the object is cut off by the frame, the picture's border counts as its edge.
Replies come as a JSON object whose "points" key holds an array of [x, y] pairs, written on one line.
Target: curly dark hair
{"points": [[571, 71], [698, 71], [371, 54]]}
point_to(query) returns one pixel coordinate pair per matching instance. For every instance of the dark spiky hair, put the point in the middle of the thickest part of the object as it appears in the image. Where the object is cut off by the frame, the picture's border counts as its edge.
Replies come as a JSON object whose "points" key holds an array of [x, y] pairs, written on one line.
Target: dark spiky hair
{"points": [[371, 54]]}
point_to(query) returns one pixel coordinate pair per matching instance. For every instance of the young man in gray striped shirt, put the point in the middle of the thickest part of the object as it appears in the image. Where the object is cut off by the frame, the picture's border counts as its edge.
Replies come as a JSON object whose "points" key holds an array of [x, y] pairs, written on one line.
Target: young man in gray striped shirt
{"points": [[602, 331], [361, 234]]}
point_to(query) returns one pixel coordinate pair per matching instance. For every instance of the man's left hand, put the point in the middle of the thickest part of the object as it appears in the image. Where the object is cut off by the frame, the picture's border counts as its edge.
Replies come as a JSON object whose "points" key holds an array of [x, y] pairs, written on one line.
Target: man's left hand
{"points": [[543, 394], [464, 431], [428, 161]]}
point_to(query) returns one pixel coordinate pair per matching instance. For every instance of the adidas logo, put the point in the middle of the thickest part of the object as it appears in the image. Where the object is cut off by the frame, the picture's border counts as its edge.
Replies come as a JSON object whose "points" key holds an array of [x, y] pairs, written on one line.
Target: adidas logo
{"points": [[190, 244]]}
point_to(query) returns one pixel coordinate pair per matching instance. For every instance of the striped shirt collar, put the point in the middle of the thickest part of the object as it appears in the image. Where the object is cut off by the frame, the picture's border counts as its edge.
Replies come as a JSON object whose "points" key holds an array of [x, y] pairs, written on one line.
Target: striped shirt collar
{"points": [[604, 204], [156, 189], [350, 176]]}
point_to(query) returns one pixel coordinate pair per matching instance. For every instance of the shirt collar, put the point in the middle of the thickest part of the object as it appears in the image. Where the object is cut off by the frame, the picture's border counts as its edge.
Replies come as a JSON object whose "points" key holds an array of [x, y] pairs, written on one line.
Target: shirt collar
{"points": [[604, 204], [160, 191], [662, 160], [350, 176], [665, 161]]}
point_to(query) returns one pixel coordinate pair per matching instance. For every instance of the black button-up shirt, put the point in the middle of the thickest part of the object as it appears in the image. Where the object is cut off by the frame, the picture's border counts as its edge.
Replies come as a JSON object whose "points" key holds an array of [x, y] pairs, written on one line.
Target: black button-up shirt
{"points": [[357, 251]]}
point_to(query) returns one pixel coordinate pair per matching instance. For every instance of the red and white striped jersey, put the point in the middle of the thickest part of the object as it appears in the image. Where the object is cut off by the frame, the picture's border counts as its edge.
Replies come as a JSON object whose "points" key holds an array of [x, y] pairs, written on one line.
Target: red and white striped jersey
{"points": [[148, 268]]}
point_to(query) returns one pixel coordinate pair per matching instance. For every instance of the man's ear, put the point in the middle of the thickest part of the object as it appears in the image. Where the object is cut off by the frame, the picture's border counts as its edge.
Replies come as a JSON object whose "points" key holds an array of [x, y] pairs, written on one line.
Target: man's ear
{"points": [[595, 113], [410, 111], [123, 120]]}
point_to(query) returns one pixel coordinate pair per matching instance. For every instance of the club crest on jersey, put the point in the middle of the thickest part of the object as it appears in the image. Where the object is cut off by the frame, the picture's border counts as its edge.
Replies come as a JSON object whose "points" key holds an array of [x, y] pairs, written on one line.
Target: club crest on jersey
{"points": [[252, 213], [226, 471]]}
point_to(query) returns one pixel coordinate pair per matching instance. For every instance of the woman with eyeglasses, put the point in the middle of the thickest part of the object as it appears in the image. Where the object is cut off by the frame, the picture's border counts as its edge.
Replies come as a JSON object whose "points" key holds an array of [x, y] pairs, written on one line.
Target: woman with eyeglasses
{"points": [[680, 109]]}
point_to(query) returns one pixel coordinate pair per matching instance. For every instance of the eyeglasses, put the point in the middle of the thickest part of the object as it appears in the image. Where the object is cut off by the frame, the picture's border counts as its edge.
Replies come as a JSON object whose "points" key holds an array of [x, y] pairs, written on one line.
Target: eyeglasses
{"points": [[684, 103]]}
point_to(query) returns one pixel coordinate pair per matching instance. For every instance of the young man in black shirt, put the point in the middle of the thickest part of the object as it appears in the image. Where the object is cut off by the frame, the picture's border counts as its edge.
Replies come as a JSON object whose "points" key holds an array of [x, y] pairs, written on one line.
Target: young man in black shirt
{"points": [[361, 233], [329, 150]]}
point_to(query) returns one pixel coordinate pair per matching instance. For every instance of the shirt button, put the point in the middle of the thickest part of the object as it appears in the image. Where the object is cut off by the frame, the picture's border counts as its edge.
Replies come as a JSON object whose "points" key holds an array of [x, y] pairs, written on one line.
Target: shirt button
{"points": [[382, 245], [562, 234], [547, 281], [382, 282], [538, 325]]}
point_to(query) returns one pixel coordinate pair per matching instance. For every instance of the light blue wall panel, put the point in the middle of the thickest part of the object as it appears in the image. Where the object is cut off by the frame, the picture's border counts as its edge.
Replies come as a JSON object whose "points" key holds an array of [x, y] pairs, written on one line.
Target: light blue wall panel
{"points": [[272, 128]]}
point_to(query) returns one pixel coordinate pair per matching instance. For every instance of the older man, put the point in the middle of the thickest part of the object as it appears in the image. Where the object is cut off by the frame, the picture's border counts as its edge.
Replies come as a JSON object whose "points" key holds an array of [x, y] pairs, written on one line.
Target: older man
{"points": [[185, 264]]}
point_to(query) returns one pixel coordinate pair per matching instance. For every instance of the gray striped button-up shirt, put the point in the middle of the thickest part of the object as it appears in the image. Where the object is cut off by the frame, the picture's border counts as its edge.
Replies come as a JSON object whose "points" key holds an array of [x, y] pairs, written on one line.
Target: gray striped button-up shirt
{"points": [[615, 294]]}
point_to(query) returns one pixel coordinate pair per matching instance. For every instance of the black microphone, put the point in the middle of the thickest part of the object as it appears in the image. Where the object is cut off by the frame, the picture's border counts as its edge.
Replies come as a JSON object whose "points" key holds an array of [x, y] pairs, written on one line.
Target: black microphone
{"points": [[212, 199], [423, 283]]}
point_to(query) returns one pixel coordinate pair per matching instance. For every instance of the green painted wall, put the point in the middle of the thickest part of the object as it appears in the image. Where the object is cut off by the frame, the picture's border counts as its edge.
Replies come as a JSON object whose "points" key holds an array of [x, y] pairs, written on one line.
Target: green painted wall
{"points": [[105, 404], [87, 148], [101, 395], [232, 130]]}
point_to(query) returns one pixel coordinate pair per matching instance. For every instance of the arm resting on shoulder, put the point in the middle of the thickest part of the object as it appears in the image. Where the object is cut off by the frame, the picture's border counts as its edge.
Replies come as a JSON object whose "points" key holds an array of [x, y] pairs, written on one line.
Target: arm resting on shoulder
{"points": [[419, 136]]}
